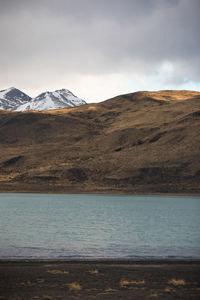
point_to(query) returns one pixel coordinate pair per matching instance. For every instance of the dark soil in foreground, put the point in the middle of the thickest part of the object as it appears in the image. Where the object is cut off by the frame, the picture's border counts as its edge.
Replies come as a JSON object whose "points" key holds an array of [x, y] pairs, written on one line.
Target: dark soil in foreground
{"points": [[36, 279]]}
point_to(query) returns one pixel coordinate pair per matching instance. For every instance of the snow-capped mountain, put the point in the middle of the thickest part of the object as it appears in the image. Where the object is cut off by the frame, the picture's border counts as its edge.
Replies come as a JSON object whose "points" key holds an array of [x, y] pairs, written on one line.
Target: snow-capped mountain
{"points": [[14, 99], [52, 100], [11, 98]]}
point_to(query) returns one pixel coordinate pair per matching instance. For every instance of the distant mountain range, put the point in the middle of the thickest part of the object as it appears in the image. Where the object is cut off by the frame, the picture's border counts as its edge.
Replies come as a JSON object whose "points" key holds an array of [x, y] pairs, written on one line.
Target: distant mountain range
{"points": [[14, 99]]}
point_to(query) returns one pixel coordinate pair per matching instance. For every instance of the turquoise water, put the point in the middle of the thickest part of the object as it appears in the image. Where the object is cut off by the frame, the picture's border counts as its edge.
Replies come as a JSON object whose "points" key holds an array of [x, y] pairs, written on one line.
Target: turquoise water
{"points": [[74, 226]]}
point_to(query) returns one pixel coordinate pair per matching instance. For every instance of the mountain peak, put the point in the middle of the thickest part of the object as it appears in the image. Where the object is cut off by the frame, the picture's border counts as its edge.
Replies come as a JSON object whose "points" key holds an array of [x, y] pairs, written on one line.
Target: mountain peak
{"points": [[62, 98], [11, 98], [14, 99]]}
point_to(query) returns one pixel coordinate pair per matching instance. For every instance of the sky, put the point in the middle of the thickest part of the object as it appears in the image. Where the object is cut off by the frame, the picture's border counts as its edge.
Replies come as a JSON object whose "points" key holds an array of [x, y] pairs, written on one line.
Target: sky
{"points": [[99, 48]]}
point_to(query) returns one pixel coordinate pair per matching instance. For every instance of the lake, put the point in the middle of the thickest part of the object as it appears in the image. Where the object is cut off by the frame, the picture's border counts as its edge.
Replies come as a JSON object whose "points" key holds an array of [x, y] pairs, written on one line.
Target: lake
{"points": [[99, 226]]}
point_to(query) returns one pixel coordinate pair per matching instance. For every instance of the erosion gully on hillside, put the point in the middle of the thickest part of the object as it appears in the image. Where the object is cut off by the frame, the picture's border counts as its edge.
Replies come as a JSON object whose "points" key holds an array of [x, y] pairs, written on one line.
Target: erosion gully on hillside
{"points": [[145, 142]]}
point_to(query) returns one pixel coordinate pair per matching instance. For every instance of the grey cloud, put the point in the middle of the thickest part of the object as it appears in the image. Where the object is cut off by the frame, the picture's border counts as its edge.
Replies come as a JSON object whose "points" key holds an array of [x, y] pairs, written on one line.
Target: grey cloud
{"points": [[91, 36]]}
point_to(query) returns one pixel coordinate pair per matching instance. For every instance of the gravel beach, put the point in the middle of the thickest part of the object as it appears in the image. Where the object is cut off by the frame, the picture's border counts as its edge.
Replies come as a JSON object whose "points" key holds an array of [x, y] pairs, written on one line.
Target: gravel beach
{"points": [[99, 279]]}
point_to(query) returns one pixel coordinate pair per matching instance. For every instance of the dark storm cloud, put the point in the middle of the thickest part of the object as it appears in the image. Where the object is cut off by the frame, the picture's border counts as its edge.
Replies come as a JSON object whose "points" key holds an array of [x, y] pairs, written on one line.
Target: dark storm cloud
{"points": [[45, 37]]}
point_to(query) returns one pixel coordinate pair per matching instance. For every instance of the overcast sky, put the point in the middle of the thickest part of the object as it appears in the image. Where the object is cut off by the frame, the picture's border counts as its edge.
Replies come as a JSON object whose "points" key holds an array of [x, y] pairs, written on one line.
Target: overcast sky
{"points": [[99, 48]]}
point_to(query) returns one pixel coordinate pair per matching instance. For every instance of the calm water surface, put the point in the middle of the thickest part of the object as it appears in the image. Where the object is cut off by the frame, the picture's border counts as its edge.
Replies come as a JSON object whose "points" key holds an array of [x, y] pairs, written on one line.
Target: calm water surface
{"points": [[66, 226]]}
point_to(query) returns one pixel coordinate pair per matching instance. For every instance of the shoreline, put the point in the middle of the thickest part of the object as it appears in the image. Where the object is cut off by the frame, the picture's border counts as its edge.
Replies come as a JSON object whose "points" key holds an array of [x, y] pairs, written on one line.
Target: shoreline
{"points": [[101, 193], [101, 279], [141, 189], [125, 261]]}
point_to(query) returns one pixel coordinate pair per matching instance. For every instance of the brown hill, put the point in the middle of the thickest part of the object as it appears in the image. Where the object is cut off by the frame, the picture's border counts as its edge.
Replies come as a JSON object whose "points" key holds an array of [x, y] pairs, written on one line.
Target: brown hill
{"points": [[144, 142]]}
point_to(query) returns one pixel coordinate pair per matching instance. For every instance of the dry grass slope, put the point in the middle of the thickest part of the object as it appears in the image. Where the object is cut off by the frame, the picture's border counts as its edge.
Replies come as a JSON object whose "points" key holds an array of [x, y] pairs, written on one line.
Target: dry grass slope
{"points": [[145, 142]]}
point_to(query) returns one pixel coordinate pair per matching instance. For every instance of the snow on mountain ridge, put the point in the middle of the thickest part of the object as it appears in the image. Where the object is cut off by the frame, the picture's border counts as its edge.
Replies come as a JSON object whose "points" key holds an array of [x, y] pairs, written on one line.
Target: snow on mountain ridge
{"points": [[14, 99], [52, 100], [4, 92], [11, 98]]}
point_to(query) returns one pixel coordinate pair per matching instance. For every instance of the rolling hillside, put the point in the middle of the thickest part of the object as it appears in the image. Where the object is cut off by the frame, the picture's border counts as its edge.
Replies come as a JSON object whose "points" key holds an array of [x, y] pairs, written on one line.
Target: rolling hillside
{"points": [[144, 142]]}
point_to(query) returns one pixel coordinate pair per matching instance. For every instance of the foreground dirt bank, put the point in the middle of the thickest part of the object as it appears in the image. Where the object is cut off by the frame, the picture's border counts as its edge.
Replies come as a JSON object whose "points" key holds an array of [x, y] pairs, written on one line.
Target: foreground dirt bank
{"points": [[99, 279]]}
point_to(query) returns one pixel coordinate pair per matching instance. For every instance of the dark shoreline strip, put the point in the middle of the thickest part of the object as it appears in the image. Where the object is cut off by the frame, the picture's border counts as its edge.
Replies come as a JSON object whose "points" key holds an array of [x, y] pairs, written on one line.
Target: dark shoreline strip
{"points": [[102, 279], [103, 261]]}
